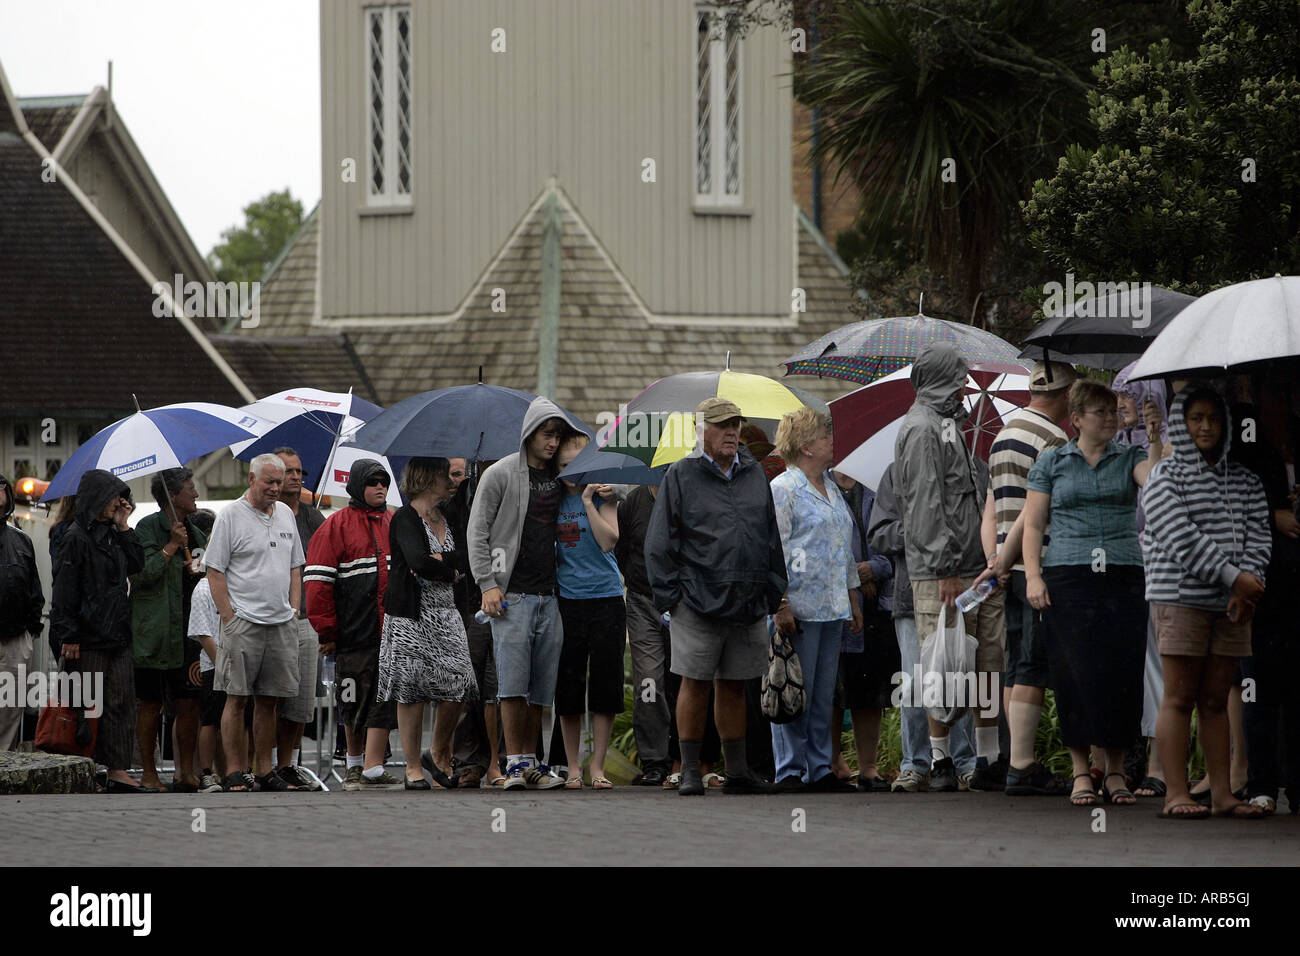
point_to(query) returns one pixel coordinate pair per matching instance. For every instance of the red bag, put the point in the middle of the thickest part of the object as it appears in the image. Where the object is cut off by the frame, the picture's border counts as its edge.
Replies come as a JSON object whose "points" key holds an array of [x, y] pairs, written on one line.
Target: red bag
{"points": [[66, 730]]}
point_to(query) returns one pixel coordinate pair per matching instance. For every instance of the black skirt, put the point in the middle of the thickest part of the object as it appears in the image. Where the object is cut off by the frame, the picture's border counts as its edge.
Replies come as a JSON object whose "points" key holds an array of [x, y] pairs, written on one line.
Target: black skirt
{"points": [[1095, 634]]}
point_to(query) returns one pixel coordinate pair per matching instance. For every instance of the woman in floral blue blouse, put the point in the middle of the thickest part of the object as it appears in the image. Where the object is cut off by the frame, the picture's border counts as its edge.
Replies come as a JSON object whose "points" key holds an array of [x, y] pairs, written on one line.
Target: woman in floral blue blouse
{"points": [[816, 534]]}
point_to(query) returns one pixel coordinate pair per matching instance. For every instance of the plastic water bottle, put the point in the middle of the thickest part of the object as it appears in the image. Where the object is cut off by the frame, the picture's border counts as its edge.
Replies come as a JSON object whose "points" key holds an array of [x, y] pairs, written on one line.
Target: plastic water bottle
{"points": [[973, 596], [482, 616], [327, 671]]}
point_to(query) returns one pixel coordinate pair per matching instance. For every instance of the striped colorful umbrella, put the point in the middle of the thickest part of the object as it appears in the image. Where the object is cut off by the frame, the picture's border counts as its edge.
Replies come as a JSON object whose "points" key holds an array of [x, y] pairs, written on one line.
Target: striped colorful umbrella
{"points": [[866, 421], [866, 351], [658, 426]]}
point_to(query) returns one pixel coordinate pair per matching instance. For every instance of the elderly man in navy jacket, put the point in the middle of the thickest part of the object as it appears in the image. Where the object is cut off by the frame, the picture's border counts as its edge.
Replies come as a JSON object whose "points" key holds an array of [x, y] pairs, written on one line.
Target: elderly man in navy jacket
{"points": [[714, 559]]}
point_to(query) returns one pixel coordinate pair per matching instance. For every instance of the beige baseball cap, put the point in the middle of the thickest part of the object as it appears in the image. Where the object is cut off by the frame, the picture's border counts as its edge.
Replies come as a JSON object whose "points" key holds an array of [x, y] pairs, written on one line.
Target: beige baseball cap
{"points": [[716, 410], [1050, 376]]}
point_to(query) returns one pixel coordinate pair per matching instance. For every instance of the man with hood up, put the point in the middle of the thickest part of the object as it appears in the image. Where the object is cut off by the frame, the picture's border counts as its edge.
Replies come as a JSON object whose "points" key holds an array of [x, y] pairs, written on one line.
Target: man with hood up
{"points": [[347, 576], [21, 604], [90, 613], [941, 501], [1206, 546], [512, 557]]}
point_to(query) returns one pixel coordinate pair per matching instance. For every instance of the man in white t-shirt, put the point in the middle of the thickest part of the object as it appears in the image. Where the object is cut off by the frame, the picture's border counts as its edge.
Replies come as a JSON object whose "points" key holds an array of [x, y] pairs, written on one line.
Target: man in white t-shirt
{"points": [[254, 565]]}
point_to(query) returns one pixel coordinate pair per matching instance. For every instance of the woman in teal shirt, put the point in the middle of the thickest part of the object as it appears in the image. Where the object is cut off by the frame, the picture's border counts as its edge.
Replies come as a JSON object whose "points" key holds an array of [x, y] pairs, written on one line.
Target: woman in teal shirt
{"points": [[1089, 584]]}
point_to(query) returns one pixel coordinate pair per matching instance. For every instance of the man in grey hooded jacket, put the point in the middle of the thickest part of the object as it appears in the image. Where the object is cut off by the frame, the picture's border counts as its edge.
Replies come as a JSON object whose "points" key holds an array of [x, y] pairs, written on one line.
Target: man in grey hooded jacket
{"points": [[940, 497], [512, 557]]}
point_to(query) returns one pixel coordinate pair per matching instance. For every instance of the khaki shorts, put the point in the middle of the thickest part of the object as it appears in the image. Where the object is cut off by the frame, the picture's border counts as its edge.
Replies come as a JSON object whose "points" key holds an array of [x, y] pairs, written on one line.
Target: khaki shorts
{"points": [[706, 649], [986, 622], [258, 659], [1192, 632]]}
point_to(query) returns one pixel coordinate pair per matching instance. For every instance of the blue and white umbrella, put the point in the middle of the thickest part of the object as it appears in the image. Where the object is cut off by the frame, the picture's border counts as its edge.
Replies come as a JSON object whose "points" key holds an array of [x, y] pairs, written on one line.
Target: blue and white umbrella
{"points": [[314, 423], [156, 439]]}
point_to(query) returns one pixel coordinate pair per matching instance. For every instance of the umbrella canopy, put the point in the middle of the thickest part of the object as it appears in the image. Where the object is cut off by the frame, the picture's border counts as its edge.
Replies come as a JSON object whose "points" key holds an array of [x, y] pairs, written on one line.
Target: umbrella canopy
{"points": [[1239, 324], [334, 477], [658, 426], [865, 351], [592, 466], [866, 421], [154, 440], [313, 423], [1109, 331], [477, 422]]}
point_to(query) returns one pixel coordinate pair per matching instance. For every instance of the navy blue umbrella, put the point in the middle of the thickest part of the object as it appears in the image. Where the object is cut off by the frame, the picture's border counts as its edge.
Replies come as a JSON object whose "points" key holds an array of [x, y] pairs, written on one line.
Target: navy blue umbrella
{"points": [[476, 422], [592, 466]]}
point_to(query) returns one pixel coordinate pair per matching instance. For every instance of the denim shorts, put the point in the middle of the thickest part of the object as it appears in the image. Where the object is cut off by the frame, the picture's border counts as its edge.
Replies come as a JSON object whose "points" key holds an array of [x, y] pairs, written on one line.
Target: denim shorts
{"points": [[526, 642]]}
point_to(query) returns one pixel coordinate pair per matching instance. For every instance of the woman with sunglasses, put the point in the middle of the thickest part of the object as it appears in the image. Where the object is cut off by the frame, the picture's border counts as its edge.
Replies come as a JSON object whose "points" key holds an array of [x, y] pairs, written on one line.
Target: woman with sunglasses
{"points": [[425, 652], [1089, 584]]}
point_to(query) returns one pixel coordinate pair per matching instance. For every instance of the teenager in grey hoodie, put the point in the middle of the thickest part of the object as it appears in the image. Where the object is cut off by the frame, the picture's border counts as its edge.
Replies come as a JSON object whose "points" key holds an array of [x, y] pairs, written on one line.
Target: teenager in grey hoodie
{"points": [[512, 557], [1206, 546]]}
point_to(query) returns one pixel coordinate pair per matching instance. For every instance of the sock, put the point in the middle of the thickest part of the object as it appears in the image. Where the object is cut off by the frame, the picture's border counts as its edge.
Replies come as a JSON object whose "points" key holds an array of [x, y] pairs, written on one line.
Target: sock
{"points": [[560, 770], [986, 742], [516, 759], [275, 752], [293, 761], [374, 773], [733, 752], [1023, 717], [357, 761], [939, 749], [690, 755]]}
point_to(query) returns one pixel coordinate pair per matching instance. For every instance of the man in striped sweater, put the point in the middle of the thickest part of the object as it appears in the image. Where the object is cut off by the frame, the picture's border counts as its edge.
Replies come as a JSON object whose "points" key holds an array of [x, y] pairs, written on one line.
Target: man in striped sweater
{"points": [[1206, 546], [1028, 432]]}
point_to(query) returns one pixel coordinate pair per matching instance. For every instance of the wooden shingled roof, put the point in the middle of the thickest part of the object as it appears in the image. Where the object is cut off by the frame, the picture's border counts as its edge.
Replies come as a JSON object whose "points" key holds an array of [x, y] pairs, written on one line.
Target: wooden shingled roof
{"points": [[608, 350]]}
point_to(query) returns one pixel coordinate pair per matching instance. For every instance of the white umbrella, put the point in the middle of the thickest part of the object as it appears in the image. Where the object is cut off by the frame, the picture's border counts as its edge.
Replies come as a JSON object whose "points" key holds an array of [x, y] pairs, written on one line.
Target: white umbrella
{"points": [[1238, 324]]}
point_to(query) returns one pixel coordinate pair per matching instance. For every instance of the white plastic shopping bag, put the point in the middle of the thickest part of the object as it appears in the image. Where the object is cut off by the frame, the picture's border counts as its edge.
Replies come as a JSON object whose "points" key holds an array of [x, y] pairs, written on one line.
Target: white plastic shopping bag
{"points": [[948, 676]]}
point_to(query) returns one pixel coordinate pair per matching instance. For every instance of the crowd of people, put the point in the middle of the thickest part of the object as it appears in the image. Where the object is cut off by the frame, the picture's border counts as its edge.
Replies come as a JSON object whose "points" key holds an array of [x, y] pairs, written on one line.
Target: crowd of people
{"points": [[1136, 545]]}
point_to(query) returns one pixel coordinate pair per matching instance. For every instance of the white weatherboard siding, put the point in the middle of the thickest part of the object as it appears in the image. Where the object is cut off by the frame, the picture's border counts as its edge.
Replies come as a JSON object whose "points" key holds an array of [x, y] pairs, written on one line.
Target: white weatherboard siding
{"points": [[584, 92]]}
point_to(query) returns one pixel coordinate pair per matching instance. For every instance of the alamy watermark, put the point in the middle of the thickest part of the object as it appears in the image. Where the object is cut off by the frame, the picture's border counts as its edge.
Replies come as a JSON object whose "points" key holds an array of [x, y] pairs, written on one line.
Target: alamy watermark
{"points": [[209, 300], [1099, 300], [80, 689], [978, 690]]}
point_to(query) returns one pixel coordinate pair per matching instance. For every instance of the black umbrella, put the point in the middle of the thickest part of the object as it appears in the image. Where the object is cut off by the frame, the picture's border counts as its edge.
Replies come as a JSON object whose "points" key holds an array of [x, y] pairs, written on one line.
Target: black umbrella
{"points": [[1108, 331]]}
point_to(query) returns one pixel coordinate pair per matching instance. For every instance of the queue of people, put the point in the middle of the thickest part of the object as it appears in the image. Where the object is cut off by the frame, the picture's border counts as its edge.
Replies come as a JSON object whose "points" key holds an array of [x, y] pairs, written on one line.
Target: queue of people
{"points": [[1128, 545]]}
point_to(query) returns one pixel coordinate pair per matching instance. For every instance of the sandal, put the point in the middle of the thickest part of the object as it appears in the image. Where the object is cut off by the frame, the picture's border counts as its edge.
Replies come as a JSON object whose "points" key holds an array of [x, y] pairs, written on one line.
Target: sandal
{"points": [[1200, 813], [1240, 811], [499, 783], [601, 783], [1265, 803], [271, 782], [234, 783], [1121, 796], [1084, 798], [1156, 786], [117, 786], [673, 782], [713, 781], [575, 783]]}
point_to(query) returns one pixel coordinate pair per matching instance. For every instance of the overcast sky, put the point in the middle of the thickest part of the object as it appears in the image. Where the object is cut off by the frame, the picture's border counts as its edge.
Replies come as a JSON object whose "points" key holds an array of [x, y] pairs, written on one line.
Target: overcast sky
{"points": [[223, 99]]}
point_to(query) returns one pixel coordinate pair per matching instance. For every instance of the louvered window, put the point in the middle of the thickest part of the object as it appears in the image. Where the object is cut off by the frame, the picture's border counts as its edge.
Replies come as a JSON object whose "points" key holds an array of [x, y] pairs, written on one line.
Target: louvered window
{"points": [[718, 160], [388, 105]]}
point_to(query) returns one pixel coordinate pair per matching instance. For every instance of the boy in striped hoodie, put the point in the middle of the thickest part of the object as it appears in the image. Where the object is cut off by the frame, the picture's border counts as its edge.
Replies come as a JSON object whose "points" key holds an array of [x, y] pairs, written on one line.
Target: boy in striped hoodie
{"points": [[1206, 545]]}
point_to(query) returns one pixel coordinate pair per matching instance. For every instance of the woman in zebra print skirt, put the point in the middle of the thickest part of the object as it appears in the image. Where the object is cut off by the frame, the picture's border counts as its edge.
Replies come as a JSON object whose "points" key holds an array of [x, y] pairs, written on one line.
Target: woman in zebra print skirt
{"points": [[424, 652]]}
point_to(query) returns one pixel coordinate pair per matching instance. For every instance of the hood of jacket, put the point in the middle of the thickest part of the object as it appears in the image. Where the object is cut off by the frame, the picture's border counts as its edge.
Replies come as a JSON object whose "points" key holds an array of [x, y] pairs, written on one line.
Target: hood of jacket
{"points": [[1186, 454], [539, 410], [9, 499], [1145, 390], [937, 374], [95, 491], [363, 469]]}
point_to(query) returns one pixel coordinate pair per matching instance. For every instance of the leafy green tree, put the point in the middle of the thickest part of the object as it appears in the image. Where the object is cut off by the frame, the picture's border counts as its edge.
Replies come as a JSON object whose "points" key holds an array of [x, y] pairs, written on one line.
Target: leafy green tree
{"points": [[245, 251], [1194, 181]]}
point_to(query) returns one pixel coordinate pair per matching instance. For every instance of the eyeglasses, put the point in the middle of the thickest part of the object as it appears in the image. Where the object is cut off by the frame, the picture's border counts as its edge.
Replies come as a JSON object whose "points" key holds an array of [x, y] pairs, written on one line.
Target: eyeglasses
{"points": [[376, 481]]}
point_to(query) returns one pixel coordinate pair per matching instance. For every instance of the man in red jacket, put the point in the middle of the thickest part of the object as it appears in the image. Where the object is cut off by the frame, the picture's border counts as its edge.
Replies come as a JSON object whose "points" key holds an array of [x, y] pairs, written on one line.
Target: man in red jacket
{"points": [[346, 576]]}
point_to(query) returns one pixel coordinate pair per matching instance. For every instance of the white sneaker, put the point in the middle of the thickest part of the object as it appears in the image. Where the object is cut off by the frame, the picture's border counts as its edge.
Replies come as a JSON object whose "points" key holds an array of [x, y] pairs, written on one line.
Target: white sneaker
{"points": [[911, 781], [541, 778], [515, 778], [210, 784]]}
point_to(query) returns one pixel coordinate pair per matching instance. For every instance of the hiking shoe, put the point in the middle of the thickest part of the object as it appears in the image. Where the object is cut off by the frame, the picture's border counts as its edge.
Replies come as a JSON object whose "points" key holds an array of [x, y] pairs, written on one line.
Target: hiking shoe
{"points": [[541, 778], [353, 779], [943, 776], [692, 783], [209, 783], [989, 776], [911, 781], [249, 779], [307, 780], [385, 781], [515, 778], [746, 782], [1035, 781]]}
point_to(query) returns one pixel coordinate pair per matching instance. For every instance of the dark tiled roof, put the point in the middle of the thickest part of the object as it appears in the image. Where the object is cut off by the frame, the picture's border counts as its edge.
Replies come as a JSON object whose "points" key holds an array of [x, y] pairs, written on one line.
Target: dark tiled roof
{"points": [[76, 319], [608, 352], [269, 364], [49, 117]]}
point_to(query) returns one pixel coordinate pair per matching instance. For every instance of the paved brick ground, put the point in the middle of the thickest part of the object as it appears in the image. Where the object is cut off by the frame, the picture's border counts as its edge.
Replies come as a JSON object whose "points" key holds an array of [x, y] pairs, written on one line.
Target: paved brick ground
{"points": [[626, 826]]}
